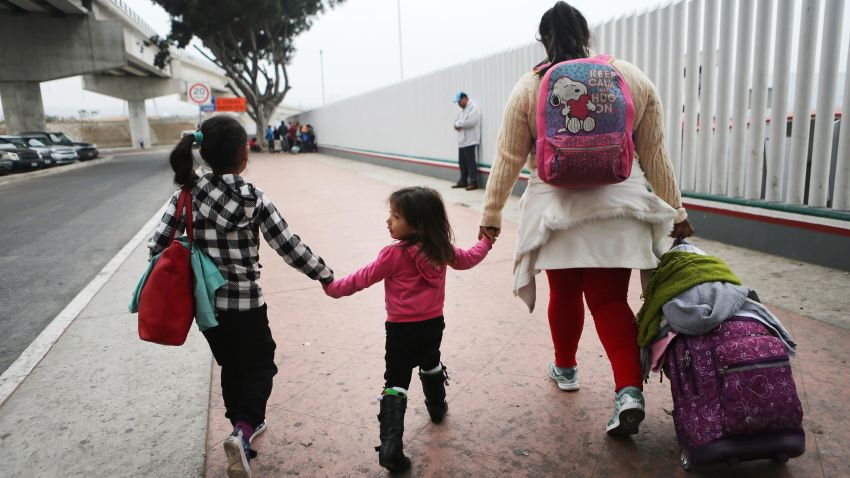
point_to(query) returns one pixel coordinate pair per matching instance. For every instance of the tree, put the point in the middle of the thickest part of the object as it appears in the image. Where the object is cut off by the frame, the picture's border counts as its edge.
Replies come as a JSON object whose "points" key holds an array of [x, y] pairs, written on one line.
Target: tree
{"points": [[252, 41]]}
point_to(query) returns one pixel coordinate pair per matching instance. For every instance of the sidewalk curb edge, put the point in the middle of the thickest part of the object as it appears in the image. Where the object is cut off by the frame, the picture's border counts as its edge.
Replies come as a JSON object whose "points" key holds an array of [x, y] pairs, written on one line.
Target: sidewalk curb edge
{"points": [[21, 368]]}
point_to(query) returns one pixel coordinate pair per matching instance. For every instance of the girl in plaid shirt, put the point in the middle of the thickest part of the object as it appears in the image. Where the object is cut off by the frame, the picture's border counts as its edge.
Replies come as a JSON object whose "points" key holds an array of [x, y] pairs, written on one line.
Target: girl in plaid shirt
{"points": [[228, 216]]}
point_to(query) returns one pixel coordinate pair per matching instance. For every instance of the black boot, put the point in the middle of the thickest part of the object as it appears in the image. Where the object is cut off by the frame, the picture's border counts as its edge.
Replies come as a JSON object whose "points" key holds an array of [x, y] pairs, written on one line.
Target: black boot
{"points": [[434, 386], [390, 453]]}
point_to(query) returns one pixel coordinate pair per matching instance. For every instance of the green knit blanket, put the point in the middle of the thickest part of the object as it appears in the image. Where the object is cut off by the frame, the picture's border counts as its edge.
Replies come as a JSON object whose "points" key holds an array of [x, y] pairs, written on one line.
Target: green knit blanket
{"points": [[677, 272]]}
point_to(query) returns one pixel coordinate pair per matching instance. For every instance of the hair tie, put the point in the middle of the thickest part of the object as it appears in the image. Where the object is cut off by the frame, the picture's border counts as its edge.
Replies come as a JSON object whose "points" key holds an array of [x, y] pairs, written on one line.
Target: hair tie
{"points": [[199, 137]]}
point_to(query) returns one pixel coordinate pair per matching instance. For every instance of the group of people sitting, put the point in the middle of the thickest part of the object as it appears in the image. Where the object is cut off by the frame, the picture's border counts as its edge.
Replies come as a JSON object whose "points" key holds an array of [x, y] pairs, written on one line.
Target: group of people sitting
{"points": [[294, 138]]}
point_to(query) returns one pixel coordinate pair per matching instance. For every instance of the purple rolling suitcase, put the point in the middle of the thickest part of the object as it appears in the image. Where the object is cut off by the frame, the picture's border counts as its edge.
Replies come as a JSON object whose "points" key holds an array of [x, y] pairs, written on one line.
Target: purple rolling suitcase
{"points": [[734, 398]]}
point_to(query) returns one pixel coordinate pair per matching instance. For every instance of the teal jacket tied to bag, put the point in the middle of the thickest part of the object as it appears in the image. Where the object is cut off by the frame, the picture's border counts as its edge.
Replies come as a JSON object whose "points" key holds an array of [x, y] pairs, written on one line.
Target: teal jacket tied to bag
{"points": [[207, 281]]}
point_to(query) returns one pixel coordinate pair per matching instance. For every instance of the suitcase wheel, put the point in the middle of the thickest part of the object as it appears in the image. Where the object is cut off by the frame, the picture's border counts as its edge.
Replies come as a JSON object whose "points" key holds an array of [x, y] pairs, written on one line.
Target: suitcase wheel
{"points": [[781, 458], [685, 460]]}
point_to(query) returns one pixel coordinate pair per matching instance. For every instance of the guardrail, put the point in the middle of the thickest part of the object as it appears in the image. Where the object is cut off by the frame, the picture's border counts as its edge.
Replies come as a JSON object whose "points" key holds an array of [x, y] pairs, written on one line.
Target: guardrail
{"points": [[134, 17]]}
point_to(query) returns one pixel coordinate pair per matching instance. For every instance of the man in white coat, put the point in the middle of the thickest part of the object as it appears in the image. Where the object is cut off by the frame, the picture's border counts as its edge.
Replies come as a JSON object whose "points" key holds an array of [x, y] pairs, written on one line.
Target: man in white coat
{"points": [[468, 127]]}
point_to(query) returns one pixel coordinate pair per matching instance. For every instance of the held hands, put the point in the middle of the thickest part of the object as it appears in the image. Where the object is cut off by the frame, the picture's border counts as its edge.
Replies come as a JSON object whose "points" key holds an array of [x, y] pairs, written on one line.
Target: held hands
{"points": [[682, 230], [491, 233]]}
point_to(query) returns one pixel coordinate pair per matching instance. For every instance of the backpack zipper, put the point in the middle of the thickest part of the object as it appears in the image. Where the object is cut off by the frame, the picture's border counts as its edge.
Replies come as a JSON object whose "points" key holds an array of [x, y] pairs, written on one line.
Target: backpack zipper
{"points": [[590, 148], [769, 363]]}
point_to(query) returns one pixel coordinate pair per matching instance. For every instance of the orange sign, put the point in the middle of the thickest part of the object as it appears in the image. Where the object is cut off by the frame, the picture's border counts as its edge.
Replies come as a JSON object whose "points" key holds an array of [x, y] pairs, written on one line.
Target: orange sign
{"points": [[231, 104]]}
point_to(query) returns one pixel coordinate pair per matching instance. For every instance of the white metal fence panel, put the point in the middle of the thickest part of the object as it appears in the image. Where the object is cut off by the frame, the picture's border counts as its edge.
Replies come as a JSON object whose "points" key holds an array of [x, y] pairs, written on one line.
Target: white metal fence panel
{"points": [[726, 60], [726, 74], [775, 168], [796, 173], [689, 149], [827, 86], [754, 156], [708, 74], [744, 47]]}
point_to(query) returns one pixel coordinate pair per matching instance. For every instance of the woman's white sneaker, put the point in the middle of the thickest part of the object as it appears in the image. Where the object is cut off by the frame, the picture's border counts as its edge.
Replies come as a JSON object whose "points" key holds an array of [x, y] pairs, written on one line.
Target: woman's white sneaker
{"points": [[566, 378], [628, 412]]}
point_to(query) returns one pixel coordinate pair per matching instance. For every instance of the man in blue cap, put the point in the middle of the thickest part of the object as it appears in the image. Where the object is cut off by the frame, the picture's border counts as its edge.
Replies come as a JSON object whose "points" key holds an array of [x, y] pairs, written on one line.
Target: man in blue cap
{"points": [[468, 127]]}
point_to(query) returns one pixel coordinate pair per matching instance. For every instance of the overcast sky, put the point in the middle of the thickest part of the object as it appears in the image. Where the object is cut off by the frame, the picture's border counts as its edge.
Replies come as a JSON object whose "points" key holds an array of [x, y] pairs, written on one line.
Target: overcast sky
{"points": [[361, 50], [360, 44]]}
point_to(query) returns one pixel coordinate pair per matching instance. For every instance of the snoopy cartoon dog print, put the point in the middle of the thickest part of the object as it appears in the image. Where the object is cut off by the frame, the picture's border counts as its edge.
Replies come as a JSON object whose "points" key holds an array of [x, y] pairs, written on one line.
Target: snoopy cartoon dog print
{"points": [[577, 105]]}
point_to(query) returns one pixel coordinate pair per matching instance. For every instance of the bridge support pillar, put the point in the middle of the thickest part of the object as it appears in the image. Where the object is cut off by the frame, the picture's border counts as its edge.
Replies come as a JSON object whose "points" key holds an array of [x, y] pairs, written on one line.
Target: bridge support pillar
{"points": [[139, 129], [22, 106]]}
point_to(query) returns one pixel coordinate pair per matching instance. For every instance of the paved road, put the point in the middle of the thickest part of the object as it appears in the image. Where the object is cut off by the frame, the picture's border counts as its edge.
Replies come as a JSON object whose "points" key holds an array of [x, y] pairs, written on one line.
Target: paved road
{"points": [[58, 231]]}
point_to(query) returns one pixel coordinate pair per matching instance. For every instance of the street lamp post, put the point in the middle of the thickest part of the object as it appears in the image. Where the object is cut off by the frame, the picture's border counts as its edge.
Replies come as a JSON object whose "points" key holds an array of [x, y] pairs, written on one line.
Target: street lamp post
{"points": [[322, 68], [400, 56]]}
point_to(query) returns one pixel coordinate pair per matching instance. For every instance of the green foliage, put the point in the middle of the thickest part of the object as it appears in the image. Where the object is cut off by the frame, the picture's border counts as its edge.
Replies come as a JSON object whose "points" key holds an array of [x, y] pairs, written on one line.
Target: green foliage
{"points": [[250, 40]]}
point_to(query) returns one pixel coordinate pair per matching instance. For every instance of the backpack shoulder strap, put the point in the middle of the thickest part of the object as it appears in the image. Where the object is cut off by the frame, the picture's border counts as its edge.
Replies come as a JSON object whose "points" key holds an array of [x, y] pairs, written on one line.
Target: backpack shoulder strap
{"points": [[605, 58]]}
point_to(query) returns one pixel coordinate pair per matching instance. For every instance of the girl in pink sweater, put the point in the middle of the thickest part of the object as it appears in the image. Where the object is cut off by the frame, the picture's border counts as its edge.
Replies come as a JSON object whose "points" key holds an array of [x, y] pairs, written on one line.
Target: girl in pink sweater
{"points": [[414, 273]]}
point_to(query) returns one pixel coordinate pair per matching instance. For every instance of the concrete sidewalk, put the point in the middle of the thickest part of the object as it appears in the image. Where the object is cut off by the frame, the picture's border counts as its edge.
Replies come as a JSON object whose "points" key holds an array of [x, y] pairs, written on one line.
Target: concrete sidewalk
{"points": [[103, 403]]}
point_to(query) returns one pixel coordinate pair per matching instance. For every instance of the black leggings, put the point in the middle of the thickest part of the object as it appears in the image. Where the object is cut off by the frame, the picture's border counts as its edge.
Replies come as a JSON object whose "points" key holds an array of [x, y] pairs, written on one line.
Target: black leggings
{"points": [[242, 344], [409, 345]]}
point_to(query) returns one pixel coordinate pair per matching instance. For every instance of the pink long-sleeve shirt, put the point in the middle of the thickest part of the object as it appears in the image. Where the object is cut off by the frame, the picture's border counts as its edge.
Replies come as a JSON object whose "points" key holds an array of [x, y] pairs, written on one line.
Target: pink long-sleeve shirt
{"points": [[414, 289]]}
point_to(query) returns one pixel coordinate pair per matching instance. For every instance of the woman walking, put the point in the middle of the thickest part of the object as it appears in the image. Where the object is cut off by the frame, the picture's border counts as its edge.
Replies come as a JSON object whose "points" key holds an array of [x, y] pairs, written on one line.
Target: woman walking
{"points": [[587, 240]]}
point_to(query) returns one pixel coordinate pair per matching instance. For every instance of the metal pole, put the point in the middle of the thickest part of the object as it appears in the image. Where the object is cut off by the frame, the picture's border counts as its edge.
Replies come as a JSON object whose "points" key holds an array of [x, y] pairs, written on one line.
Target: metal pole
{"points": [[754, 157], [841, 194], [827, 90], [779, 105], [322, 68], [400, 55], [676, 80], [708, 88], [720, 142], [691, 95], [743, 68], [802, 102]]}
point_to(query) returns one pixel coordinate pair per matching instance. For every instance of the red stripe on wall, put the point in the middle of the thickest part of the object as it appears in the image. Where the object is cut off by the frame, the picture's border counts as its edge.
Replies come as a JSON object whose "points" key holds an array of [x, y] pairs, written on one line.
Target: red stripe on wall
{"points": [[772, 220]]}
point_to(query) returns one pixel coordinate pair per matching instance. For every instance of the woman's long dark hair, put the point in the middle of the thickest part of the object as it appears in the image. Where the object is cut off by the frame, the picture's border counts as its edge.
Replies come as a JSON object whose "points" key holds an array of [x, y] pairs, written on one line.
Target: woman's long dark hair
{"points": [[424, 211], [564, 33], [223, 140]]}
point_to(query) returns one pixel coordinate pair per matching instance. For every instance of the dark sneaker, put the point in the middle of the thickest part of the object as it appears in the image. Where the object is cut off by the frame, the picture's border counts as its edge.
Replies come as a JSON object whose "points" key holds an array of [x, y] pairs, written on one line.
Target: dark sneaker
{"points": [[459, 185], [238, 452], [257, 431], [472, 187], [628, 412]]}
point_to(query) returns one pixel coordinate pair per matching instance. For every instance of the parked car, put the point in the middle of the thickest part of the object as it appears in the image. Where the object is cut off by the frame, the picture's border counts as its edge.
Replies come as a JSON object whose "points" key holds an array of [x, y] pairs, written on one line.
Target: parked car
{"points": [[7, 162], [22, 157], [85, 151], [59, 154]]}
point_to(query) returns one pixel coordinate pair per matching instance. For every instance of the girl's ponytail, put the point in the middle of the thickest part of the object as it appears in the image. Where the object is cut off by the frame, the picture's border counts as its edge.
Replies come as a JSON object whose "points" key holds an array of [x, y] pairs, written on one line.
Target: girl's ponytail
{"points": [[183, 162]]}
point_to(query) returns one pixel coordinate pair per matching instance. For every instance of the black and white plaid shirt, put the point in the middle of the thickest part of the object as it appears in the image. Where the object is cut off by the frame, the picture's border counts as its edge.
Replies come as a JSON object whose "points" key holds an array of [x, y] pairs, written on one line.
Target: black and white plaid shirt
{"points": [[228, 215]]}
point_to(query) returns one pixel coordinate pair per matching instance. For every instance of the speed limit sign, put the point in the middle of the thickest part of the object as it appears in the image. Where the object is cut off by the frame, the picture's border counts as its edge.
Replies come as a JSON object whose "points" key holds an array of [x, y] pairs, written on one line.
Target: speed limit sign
{"points": [[199, 93]]}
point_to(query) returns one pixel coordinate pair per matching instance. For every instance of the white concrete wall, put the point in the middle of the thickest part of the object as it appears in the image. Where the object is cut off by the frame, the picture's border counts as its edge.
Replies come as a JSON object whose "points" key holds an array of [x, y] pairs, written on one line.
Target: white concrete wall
{"points": [[415, 117]]}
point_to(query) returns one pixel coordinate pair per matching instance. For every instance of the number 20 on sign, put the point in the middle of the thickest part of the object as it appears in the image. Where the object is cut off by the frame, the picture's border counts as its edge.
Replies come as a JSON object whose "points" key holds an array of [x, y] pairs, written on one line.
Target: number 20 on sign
{"points": [[199, 93]]}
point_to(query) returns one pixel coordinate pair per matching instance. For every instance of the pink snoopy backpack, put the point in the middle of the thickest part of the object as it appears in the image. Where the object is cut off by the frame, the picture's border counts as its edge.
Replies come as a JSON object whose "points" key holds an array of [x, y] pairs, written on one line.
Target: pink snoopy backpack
{"points": [[585, 123]]}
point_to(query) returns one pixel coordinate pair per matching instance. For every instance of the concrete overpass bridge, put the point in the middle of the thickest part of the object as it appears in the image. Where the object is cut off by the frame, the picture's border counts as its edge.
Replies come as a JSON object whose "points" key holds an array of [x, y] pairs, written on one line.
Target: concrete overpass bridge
{"points": [[102, 40]]}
